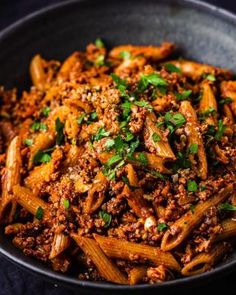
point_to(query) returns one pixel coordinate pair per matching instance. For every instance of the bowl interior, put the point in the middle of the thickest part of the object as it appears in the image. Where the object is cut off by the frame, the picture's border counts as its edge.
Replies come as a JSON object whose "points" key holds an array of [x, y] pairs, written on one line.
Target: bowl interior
{"points": [[201, 33]]}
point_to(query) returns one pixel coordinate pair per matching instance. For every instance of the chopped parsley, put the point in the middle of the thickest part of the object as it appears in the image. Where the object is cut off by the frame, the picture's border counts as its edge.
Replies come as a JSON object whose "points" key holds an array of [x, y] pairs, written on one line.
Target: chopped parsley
{"points": [[156, 137], [172, 68], [38, 126], [202, 188], [193, 149], [66, 203], [184, 95], [157, 174], [125, 54], [94, 116], [126, 181], [220, 131], [162, 226], [28, 142], [206, 114], [181, 162], [59, 129], [144, 104], [100, 134], [39, 213], [81, 119], [120, 84], [142, 158], [151, 79], [42, 156], [99, 43], [210, 77], [226, 100], [227, 207], [100, 60], [109, 143], [113, 160], [172, 121], [192, 208], [192, 186], [45, 111], [106, 217]]}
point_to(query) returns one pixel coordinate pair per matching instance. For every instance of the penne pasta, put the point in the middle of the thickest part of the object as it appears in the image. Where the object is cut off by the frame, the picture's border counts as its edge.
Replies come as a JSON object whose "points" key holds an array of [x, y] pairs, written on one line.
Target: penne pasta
{"points": [[116, 248], [229, 230], [10, 177], [194, 136], [60, 243], [37, 72], [204, 261], [228, 90], [105, 266], [183, 227], [28, 200], [137, 274], [208, 101]]}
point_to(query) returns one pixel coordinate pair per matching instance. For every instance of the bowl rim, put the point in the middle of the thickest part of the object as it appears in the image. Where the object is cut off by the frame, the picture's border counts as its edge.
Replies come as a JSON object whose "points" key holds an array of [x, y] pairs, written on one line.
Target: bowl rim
{"points": [[99, 286]]}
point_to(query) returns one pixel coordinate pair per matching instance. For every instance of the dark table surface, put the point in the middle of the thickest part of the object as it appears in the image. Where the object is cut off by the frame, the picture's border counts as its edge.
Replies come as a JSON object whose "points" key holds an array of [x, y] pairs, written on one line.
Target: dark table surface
{"points": [[14, 280]]}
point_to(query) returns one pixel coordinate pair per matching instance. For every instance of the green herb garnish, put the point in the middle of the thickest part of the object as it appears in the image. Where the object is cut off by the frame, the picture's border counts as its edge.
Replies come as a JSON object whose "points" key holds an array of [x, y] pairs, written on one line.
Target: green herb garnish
{"points": [[151, 79], [28, 142], [66, 203], [39, 213], [38, 126], [193, 149], [226, 100], [100, 134], [125, 55], [184, 95], [172, 68], [192, 186], [227, 207], [106, 217], [156, 137], [59, 129], [220, 131], [162, 226], [45, 111], [99, 43]]}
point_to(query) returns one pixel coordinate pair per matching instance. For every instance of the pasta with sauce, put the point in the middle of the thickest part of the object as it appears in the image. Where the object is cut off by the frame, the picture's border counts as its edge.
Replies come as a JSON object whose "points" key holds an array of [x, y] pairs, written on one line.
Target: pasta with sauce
{"points": [[121, 163]]}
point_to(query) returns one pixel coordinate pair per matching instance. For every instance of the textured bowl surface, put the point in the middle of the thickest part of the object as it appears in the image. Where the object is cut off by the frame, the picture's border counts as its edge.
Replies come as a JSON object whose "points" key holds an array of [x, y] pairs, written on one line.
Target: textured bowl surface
{"points": [[202, 32]]}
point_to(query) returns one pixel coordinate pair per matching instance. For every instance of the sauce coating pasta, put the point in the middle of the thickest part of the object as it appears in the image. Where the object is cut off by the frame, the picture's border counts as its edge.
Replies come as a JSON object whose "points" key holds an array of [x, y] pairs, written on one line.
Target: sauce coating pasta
{"points": [[120, 164]]}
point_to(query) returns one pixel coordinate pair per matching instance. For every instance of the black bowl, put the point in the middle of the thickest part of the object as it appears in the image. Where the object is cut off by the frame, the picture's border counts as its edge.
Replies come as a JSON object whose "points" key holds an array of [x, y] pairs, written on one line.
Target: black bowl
{"points": [[202, 32]]}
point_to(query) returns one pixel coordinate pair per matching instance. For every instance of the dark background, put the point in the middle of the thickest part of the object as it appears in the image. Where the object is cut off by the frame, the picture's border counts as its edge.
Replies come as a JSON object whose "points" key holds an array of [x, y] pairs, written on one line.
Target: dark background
{"points": [[14, 280]]}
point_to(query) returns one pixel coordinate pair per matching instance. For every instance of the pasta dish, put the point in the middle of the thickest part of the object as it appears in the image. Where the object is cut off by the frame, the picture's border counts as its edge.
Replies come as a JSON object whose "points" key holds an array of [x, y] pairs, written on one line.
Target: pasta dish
{"points": [[119, 165]]}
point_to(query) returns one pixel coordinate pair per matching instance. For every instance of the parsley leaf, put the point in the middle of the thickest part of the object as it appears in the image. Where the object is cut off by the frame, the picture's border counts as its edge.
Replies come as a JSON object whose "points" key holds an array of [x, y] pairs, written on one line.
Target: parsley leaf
{"points": [[227, 207], [142, 158], [106, 217], [157, 174], [145, 104], [81, 119], [113, 160], [184, 95], [38, 126], [207, 113], [176, 120], [109, 143], [226, 100], [192, 208], [99, 43], [156, 137], [181, 162], [210, 77], [162, 226], [193, 149], [220, 130], [45, 111], [151, 79], [41, 157], [126, 181], [192, 186], [59, 129], [125, 54], [100, 60], [66, 203], [172, 68], [28, 142], [120, 84], [39, 213], [100, 134]]}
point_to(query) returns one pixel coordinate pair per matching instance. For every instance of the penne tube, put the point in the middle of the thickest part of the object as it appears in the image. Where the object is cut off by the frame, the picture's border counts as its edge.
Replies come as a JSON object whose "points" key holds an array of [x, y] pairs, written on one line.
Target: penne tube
{"points": [[207, 102], [196, 70], [150, 52], [228, 90], [183, 227], [204, 261], [137, 274], [10, 177], [43, 173], [60, 243], [161, 147], [229, 230], [106, 268], [96, 193], [194, 136], [69, 64], [229, 115], [37, 72], [42, 141], [116, 248], [28, 200]]}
